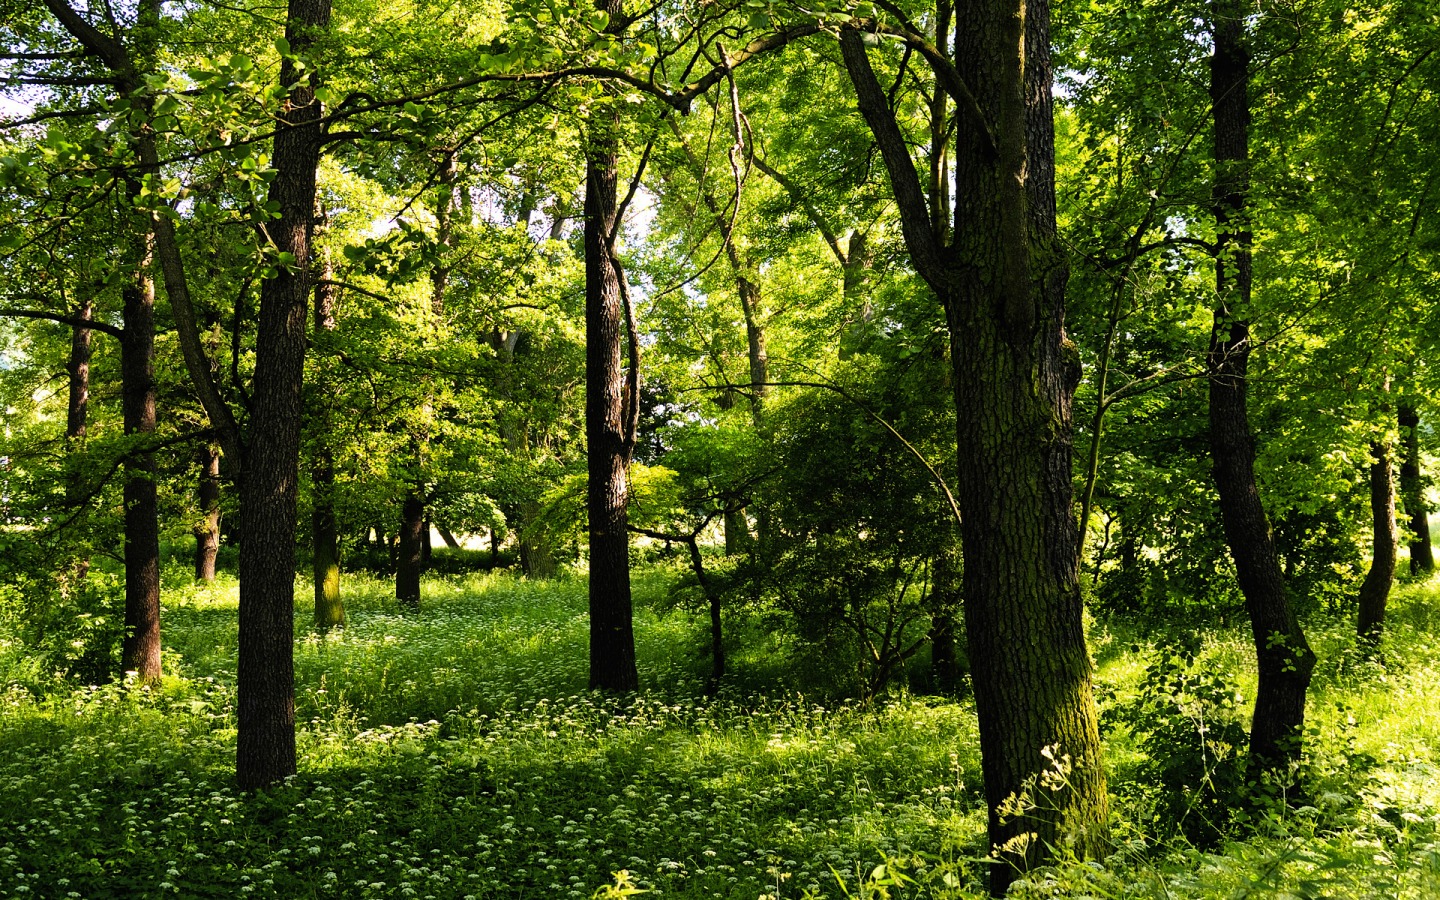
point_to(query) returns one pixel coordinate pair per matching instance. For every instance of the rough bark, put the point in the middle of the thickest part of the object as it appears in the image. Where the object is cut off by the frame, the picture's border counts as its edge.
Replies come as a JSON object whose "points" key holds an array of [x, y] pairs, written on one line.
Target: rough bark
{"points": [[1375, 590], [265, 751], [1283, 655], [207, 530], [140, 650], [1412, 489], [612, 639], [408, 561], [1002, 283]]}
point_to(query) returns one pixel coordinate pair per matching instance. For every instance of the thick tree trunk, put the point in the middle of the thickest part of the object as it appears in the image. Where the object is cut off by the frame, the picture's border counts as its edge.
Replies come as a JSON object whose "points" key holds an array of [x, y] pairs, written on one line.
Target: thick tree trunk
{"points": [[1412, 489], [447, 537], [140, 650], [408, 562], [1002, 282], [207, 530], [265, 748], [1284, 657], [612, 638], [1375, 590], [537, 555]]}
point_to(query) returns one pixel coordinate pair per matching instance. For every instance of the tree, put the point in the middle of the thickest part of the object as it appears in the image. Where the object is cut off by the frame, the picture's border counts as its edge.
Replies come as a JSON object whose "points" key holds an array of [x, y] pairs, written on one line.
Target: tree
{"points": [[265, 750], [1422, 559], [1284, 657], [1375, 590], [1001, 280]]}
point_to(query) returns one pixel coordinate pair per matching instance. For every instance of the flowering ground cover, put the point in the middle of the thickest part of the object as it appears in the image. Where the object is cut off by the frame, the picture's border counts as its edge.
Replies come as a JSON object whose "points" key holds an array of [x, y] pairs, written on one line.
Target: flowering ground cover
{"points": [[456, 753]]}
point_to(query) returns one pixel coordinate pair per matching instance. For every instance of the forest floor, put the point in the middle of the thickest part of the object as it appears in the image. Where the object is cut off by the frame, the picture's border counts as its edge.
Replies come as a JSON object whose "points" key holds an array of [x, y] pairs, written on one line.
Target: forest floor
{"points": [[456, 753]]}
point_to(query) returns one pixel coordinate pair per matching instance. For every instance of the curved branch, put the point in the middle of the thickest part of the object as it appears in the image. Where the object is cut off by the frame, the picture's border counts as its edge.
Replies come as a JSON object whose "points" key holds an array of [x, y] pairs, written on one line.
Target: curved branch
{"points": [[72, 321]]}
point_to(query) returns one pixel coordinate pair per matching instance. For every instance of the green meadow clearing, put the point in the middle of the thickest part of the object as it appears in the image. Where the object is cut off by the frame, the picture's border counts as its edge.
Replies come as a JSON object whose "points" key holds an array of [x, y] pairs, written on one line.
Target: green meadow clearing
{"points": [[456, 753]]}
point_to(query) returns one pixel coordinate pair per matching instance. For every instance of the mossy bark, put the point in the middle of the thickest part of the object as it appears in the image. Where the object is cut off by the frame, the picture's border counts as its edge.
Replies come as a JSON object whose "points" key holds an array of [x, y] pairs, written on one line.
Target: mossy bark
{"points": [[1001, 279]]}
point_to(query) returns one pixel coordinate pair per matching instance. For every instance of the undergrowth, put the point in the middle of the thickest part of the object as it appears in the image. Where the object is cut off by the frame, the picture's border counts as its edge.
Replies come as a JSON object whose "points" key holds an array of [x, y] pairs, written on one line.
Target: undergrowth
{"points": [[456, 753]]}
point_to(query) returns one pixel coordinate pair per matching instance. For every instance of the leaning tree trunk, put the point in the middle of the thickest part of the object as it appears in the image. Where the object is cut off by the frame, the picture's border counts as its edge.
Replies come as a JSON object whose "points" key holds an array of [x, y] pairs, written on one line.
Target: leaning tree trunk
{"points": [[140, 650], [1375, 590], [207, 530], [265, 747], [1412, 489], [612, 638], [1002, 283], [1284, 657]]}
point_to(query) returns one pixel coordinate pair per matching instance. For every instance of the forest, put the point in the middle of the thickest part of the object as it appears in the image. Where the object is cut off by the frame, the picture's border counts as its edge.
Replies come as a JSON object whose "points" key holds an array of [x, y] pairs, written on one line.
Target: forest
{"points": [[737, 449]]}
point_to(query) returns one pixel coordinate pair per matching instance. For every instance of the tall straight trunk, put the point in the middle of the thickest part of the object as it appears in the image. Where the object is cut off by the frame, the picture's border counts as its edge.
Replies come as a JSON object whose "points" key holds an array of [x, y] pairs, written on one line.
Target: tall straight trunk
{"points": [[945, 605], [408, 561], [265, 747], [140, 650], [1375, 590], [612, 637], [1412, 489], [325, 571], [325, 531], [1002, 283], [77, 414], [77, 368], [207, 530], [1283, 655]]}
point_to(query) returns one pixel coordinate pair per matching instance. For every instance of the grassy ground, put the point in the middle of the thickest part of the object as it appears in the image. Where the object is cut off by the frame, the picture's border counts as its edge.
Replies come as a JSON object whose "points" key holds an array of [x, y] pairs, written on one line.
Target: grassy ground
{"points": [[456, 754]]}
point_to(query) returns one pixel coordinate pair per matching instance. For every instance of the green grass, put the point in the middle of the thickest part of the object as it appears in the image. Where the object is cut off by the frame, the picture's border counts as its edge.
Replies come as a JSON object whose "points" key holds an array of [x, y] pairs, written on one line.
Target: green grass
{"points": [[456, 753]]}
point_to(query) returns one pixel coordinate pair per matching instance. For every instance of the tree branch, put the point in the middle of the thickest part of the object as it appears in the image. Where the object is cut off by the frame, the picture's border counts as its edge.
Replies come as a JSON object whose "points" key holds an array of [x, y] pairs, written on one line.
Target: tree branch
{"points": [[920, 237], [63, 319]]}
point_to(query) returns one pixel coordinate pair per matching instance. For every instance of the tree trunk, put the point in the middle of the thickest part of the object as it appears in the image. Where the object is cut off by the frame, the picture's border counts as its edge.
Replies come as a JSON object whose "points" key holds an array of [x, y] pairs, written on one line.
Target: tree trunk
{"points": [[325, 530], [77, 412], [408, 562], [1002, 282], [140, 650], [537, 556], [447, 537], [207, 530], [1412, 489], [329, 608], [612, 638], [427, 552], [265, 748], [945, 605], [77, 407], [1284, 657], [1375, 590]]}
